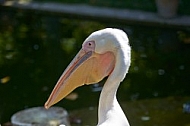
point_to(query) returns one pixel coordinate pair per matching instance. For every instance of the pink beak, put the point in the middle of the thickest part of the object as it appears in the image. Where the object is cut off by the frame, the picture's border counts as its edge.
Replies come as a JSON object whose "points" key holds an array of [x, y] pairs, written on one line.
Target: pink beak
{"points": [[87, 67]]}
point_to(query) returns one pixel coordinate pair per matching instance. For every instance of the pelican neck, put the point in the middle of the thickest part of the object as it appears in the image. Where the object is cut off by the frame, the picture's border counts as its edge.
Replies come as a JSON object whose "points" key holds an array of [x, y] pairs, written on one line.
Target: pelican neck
{"points": [[109, 107]]}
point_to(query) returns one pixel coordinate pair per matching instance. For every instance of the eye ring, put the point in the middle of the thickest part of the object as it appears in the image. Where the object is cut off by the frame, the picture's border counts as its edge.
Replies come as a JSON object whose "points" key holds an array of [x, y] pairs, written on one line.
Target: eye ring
{"points": [[89, 45]]}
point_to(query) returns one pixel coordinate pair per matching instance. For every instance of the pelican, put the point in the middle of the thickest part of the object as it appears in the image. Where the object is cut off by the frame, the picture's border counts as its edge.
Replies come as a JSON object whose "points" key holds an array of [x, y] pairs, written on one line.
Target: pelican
{"points": [[104, 53]]}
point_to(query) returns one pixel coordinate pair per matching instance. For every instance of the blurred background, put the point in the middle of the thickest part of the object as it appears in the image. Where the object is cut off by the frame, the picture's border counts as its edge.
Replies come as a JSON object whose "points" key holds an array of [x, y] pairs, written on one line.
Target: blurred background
{"points": [[36, 46]]}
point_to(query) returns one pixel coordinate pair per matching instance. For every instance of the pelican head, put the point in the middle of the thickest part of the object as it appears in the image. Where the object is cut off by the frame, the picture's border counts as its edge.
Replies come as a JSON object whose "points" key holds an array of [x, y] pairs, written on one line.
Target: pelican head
{"points": [[108, 39], [104, 53]]}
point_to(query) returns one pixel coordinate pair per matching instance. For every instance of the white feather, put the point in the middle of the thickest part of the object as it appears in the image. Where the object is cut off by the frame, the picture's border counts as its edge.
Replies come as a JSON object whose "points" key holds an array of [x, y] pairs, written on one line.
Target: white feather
{"points": [[115, 40]]}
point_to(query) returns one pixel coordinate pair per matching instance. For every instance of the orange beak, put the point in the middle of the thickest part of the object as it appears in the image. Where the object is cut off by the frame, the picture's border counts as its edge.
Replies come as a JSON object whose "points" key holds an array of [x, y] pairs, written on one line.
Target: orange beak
{"points": [[87, 67]]}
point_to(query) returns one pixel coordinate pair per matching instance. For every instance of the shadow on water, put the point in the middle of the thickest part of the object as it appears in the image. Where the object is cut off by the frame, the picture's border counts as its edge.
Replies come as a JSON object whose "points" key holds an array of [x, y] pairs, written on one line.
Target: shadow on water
{"points": [[36, 48]]}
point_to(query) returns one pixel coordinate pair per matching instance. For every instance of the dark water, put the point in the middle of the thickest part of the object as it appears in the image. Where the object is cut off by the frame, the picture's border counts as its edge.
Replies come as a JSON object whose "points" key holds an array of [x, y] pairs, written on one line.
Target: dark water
{"points": [[35, 48]]}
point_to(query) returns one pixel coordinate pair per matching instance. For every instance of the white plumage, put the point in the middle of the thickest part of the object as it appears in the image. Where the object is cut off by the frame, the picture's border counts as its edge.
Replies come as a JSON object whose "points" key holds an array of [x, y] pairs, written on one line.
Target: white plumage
{"points": [[104, 53]]}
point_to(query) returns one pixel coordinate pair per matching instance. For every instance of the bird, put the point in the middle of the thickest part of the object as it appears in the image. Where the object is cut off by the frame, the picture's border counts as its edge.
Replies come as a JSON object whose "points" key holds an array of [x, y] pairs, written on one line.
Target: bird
{"points": [[104, 53]]}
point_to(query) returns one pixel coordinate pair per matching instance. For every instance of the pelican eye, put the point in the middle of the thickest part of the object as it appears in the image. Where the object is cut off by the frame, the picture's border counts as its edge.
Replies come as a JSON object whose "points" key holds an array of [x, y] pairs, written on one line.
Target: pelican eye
{"points": [[89, 43]]}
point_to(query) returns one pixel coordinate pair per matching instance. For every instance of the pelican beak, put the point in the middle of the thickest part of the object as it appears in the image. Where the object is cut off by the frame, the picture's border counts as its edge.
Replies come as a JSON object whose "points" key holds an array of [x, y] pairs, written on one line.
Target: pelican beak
{"points": [[86, 68]]}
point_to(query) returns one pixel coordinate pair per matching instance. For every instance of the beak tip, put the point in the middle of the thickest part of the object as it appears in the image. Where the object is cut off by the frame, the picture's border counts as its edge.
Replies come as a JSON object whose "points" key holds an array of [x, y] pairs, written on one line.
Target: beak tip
{"points": [[46, 106]]}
